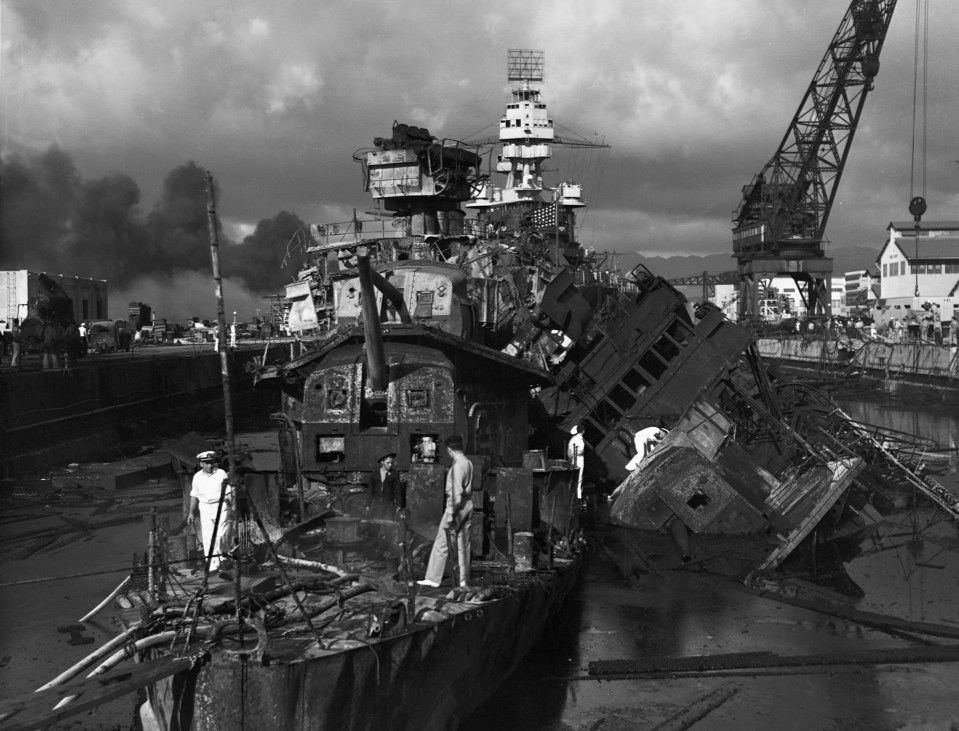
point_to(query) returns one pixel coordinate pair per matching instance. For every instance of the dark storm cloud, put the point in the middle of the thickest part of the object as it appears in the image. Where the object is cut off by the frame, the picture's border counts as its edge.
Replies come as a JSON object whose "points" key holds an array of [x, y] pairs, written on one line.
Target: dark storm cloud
{"points": [[273, 98], [106, 230], [177, 228], [53, 220], [264, 252], [38, 195]]}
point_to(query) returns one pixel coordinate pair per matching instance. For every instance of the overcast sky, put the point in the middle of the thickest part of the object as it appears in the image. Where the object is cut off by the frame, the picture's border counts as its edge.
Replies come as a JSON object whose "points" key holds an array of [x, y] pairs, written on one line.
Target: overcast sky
{"points": [[273, 98]]}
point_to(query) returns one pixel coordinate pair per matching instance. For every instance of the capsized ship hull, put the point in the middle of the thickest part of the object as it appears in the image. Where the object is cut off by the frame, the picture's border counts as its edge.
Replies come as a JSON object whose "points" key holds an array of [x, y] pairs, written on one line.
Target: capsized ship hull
{"points": [[745, 452], [429, 675]]}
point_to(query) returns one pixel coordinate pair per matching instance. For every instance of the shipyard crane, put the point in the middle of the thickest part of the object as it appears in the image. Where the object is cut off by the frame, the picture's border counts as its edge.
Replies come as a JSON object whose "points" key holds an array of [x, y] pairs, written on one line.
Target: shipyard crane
{"points": [[778, 228]]}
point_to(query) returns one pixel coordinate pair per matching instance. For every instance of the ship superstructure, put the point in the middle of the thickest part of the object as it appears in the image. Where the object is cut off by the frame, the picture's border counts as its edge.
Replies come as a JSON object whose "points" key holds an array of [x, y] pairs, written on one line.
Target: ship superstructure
{"points": [[526, 133]]}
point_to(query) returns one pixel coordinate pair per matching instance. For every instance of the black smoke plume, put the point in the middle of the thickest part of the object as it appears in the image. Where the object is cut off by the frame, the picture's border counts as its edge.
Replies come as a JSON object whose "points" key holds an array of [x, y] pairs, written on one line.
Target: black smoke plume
{"points": [[53, 220]]}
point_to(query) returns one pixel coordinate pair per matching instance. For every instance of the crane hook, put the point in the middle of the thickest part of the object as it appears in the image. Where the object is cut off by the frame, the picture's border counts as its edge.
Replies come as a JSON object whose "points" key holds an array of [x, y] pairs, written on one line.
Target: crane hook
{"points": [[917, 206]]}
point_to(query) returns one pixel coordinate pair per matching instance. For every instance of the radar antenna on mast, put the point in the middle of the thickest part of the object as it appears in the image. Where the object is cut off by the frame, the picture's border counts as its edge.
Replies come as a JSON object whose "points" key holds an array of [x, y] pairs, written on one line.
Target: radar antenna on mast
{"points": [[523, 67], [525, 64]]}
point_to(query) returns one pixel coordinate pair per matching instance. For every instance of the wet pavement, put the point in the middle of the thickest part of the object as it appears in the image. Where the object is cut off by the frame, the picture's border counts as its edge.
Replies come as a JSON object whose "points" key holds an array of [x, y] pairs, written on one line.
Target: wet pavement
{"points": [[682, 613], [72, 534]]}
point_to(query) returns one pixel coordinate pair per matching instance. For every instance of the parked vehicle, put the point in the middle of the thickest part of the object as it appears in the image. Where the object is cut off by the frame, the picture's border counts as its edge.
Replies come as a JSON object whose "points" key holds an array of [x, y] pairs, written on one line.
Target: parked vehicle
{"points": [[108, 336]]}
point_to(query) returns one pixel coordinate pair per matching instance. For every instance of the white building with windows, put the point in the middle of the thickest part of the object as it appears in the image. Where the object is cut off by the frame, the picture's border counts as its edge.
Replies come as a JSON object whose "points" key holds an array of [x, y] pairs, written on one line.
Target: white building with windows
{"points": [[919, 271], [837, 295], [793, 300]]}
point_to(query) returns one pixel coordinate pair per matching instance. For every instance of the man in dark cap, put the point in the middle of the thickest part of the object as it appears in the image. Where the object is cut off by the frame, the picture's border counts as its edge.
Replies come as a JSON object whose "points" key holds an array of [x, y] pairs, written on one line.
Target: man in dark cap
{"points": [[386, 495]]}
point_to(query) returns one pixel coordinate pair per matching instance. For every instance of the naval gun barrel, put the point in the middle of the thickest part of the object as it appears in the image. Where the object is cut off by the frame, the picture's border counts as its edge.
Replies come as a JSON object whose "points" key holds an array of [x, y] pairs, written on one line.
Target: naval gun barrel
{"points": [[375, 357], [393, 295]]}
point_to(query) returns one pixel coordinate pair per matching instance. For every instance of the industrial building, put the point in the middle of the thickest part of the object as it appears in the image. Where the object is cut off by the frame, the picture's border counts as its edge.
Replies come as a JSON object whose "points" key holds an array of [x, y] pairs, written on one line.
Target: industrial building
{"points": [[19, 290], [919, 272]]}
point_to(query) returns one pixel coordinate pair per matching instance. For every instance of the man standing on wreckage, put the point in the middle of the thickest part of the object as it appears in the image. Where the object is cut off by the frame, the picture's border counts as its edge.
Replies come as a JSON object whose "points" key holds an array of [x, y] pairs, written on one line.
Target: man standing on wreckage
{"points": [[454, 527], [576, 454], [205, 496]]}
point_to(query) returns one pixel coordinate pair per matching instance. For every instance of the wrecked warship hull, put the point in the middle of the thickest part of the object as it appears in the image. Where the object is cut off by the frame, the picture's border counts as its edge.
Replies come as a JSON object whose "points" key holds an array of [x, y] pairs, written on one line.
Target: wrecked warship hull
{"points": [[428, 677], [745, 452], [363, 650], [680, 481]]}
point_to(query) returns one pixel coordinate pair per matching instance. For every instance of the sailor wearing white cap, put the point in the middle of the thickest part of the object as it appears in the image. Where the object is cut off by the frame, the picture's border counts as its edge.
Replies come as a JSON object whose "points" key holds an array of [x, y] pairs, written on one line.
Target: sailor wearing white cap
{"points": [[645, 441], [205, 496], [576, 453]]}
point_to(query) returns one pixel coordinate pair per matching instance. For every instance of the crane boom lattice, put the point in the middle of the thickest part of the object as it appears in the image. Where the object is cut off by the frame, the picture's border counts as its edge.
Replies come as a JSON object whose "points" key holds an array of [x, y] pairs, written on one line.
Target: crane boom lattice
{"points": [[779, 226]]}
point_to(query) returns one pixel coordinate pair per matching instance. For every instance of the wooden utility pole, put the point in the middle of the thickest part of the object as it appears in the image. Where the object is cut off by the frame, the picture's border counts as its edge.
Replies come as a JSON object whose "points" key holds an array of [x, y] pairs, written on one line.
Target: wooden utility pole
{"points": [[227, 394]]}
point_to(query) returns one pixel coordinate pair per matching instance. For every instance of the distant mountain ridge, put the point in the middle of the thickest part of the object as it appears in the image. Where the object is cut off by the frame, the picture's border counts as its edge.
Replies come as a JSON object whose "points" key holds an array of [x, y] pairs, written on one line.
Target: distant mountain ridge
{"points": [[845, 259]]}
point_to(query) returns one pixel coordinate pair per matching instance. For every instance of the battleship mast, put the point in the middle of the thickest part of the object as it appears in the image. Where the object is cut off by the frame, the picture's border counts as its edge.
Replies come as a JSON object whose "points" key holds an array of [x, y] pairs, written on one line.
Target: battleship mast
{"points": [[526, 134]]}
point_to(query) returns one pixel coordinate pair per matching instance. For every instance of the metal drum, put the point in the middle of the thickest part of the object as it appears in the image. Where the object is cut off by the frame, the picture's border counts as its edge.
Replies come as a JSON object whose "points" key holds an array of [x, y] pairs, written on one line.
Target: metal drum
{"points": [[343, 530], [535, 459]]}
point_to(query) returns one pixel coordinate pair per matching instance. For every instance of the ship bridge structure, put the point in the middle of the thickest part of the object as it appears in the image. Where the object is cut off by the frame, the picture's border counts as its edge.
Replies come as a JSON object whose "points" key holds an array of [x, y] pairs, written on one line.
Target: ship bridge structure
{"points": [[526, 136]]}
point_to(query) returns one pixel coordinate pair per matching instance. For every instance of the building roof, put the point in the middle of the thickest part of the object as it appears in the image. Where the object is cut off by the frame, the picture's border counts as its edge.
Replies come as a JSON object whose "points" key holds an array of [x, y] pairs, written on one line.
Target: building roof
{"points": [[924, 226], [930, 248], [937, 247], [937, 240]]}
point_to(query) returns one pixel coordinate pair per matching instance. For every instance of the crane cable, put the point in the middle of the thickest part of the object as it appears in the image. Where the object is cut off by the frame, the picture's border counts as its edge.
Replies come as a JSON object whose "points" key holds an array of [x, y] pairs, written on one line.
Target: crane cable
{"points": [[917, 203], [921, 48]]}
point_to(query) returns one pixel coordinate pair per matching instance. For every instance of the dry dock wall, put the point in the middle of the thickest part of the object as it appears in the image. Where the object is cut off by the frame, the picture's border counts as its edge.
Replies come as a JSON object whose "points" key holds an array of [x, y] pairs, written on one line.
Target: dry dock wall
{"points": [[68, 415], [921, 359], [921, 371]]}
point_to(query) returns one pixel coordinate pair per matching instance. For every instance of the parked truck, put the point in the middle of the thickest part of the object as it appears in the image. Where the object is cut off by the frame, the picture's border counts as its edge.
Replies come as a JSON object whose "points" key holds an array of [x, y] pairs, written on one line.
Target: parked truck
{"points": [[108, 336]]}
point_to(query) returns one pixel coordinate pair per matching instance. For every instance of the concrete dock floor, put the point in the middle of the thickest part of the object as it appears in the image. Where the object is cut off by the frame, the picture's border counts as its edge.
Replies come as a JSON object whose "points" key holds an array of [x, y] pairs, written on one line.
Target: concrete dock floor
{"points": [[665, 611], [76, 527]]}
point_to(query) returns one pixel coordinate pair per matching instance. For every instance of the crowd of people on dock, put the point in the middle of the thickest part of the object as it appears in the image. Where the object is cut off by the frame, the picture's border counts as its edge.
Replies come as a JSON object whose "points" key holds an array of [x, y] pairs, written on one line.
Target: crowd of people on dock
{"points": [[930, 328]]}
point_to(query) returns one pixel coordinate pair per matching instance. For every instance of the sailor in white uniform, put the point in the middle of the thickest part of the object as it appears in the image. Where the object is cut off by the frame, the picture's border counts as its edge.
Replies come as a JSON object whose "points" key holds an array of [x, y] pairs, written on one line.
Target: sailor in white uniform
{"points": [[205, 496], [575, 452], [645, 441]]}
